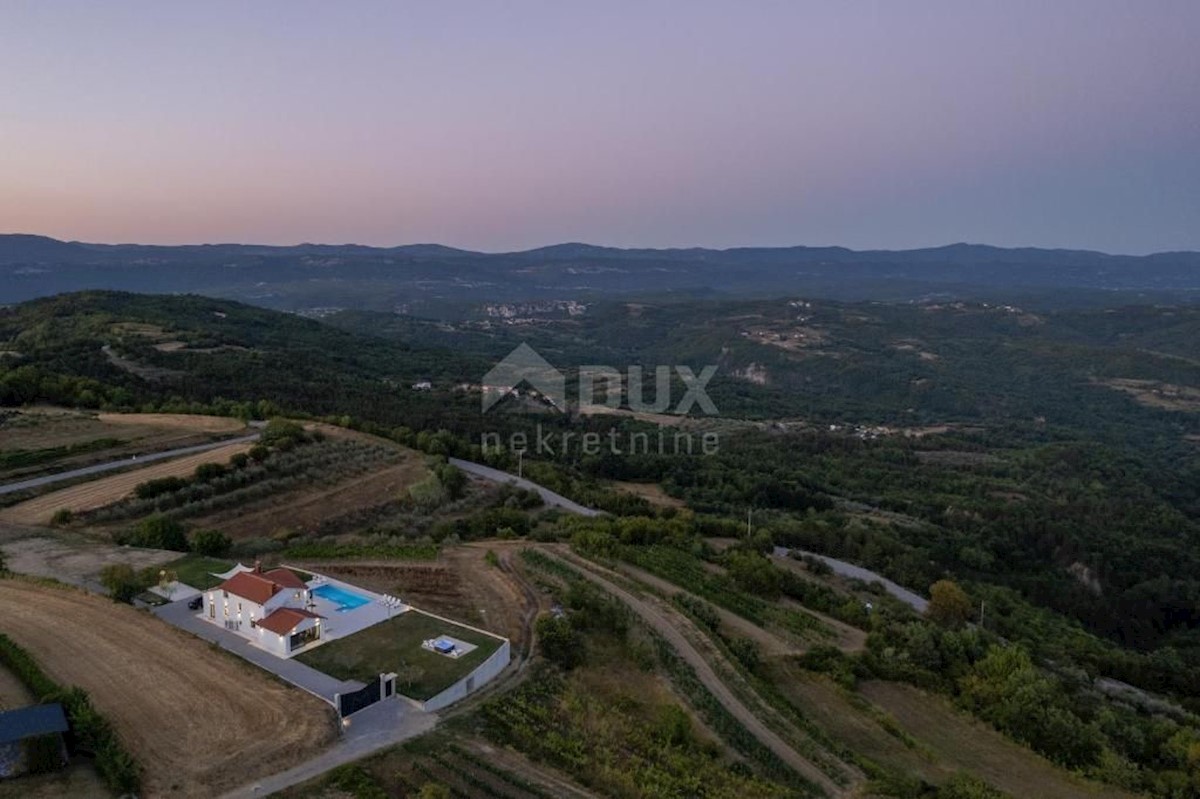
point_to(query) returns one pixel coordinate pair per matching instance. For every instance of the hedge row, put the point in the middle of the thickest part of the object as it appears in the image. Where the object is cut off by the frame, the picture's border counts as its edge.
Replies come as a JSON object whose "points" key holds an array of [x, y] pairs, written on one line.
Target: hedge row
{"points": [[92, 732]]}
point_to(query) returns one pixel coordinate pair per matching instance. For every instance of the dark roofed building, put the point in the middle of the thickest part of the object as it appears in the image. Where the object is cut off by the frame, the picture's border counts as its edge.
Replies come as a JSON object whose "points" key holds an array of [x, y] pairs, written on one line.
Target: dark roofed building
{"points": [[22, 728]]}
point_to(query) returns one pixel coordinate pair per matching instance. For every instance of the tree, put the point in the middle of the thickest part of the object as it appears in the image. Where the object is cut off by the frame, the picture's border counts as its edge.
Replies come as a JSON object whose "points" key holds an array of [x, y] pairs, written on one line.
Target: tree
{"points": [[212, 543], [949, 605], [158, 532], [559, 642], [121, 582], [427, 494], [452, 478]]}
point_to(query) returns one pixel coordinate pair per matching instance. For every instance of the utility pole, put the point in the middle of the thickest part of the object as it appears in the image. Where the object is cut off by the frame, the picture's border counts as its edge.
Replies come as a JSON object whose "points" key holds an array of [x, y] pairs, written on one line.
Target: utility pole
{"points": [[981, 614], [749, 524]]}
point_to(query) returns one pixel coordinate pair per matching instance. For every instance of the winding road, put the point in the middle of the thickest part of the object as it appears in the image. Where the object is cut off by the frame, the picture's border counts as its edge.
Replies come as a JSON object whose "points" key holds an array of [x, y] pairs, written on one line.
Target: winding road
{"points": [[913, 600], [548, 496]]}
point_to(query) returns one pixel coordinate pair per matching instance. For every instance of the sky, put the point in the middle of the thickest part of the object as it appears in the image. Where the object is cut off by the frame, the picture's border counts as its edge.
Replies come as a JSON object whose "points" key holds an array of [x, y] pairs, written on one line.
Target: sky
{"points": [[504, 126]]}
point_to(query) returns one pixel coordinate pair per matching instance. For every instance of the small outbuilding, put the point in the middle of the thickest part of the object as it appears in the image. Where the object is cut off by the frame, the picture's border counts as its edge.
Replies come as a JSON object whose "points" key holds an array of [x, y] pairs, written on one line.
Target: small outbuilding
{"points": [[31, 739]]}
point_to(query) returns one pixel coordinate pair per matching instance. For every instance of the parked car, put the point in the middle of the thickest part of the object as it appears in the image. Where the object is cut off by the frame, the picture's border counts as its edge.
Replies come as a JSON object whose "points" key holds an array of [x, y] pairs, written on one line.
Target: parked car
{"points": [[195, 603]]}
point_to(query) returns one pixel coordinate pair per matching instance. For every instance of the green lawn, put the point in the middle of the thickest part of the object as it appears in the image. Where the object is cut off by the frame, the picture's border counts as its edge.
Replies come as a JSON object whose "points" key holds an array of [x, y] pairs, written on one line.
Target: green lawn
{"points": [[194, 570], [395, 645]]}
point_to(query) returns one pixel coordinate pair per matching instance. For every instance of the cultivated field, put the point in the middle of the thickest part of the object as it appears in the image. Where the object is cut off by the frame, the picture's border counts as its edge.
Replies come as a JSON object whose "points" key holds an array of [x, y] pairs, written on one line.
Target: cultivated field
{"points": [[107, 490], [306, 509], [188, 713]]}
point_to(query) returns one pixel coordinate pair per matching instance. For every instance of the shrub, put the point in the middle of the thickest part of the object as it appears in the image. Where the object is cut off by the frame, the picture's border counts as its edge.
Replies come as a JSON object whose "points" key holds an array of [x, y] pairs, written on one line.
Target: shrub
{"points": [[212, 543], [121, 582], [206, 472], [62, 517], [159, 486], [559, 642], [156, 532]]}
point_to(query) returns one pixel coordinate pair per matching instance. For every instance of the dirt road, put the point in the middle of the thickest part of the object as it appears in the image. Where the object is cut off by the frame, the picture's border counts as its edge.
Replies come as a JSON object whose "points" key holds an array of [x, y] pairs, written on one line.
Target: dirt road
{"points": [[704, 672], [187, 713]]}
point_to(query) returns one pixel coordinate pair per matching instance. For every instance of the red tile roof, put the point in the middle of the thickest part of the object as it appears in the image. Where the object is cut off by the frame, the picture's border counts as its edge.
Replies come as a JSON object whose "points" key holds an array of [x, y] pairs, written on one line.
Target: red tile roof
{"points": [[284, 620], [249, 585], [285, 578], [258, 587]]}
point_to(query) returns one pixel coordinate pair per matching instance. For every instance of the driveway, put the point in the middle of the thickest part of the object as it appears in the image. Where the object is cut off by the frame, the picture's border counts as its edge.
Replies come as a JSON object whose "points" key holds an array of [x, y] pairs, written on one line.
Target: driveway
{"points": [[549, 497], [292, 671], [379, 726]]}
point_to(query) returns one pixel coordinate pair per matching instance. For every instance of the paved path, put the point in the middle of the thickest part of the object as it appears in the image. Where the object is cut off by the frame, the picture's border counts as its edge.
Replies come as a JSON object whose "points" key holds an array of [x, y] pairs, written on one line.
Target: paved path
{"points": [[379, 726], [548, 496], [913, 600], [292, 671], [704, 672], [123, 463]]}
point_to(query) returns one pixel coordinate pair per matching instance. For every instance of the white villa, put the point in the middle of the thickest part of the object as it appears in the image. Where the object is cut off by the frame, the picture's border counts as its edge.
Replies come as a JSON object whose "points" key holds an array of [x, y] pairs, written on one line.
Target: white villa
{"points": [[273, 609]]}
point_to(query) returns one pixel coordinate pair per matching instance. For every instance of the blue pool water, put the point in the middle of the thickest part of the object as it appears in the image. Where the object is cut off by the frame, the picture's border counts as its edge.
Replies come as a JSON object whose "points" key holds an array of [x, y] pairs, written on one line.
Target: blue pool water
{"points": [[345, 600]]}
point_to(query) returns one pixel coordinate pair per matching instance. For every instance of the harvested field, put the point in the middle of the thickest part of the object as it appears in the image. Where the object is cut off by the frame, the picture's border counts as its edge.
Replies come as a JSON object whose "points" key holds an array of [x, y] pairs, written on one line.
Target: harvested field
{"points": [[76, 561], [44, 439], [960, 742], [188, 713], [176, 421], [107, 490]]}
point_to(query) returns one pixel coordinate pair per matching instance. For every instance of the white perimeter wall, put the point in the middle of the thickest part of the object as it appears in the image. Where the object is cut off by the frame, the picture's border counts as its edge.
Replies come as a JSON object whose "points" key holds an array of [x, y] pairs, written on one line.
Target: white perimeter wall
{"points": [[484, 673]]}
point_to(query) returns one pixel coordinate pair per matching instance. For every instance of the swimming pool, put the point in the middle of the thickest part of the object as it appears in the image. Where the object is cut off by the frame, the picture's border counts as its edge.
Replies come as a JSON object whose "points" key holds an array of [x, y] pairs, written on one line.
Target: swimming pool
{"points": [[345, 600]]}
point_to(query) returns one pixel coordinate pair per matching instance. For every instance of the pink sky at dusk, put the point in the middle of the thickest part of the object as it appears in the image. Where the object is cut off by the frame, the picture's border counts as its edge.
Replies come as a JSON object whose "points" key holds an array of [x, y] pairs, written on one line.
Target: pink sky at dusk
{"points": [[506, 126]]}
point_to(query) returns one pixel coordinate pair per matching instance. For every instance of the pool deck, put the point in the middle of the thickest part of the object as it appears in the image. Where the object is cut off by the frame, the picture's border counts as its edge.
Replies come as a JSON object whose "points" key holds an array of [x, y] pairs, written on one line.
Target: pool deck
{"points": [[341, 623]]}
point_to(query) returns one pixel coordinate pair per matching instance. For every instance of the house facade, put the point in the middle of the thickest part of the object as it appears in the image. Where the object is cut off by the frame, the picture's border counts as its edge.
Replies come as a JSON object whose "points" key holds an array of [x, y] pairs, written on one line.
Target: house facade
{"points": [[273, 609]]}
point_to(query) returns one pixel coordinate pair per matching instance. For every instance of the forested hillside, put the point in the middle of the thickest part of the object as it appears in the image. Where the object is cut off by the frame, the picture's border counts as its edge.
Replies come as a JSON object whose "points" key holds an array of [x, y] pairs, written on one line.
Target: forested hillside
{"points": [[1048, 462]]}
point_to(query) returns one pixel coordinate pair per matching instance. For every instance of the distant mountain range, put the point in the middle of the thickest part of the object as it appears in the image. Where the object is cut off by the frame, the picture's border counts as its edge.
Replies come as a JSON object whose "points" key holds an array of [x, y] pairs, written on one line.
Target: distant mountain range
{"points": [[433, 279]]}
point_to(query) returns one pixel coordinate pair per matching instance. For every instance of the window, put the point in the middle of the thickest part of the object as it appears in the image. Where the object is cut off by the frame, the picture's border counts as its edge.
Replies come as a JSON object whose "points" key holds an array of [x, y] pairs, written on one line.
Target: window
{"points": [[227, 611], [212, 609], [239, 607]]}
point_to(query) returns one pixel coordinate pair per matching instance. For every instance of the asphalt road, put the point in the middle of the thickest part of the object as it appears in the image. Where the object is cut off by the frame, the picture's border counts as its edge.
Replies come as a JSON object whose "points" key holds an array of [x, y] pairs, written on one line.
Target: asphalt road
{"points": [[913, 600], [548, 496], [123, 463]]}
